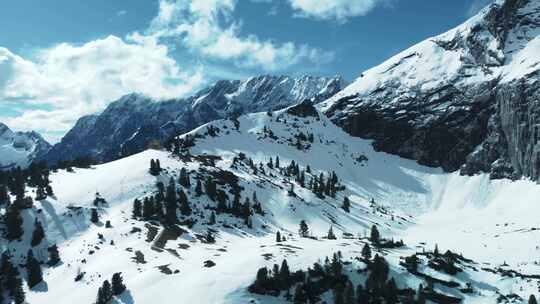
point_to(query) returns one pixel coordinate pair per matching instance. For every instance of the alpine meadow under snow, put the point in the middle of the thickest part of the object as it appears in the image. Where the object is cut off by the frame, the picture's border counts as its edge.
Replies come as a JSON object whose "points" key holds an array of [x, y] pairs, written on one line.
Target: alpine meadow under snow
{"points": [[416, 183]]}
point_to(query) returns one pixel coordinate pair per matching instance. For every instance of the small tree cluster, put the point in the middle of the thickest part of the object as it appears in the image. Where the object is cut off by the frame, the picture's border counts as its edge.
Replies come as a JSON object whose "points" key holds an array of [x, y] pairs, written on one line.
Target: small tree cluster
{"points": [[155, 167]]}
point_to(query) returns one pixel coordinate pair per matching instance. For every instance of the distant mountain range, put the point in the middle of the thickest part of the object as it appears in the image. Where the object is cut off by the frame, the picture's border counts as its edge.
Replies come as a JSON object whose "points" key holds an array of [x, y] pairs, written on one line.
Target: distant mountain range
{"points": [[132, 123]]}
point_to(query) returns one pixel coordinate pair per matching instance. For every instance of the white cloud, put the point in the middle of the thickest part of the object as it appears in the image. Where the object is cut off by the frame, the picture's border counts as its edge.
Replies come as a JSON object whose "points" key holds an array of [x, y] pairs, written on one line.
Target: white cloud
{"points": [[121, 13], [207, 28], [339, 10], [76, 80]]}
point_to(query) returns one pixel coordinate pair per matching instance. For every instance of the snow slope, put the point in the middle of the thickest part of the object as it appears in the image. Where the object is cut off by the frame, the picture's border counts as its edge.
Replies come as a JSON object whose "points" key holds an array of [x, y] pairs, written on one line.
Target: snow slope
{"points": [[488, 221]]}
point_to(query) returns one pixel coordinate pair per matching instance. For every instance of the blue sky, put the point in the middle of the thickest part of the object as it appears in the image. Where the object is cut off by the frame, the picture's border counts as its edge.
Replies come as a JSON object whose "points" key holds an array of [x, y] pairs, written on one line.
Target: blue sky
{"points": [[66, 58]]}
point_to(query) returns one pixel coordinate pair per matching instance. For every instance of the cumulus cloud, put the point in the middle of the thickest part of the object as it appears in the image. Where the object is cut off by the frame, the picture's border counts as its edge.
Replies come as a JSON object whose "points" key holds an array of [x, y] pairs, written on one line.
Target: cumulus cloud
{"points": [[339, 10], [207, 28], [80, 79]]}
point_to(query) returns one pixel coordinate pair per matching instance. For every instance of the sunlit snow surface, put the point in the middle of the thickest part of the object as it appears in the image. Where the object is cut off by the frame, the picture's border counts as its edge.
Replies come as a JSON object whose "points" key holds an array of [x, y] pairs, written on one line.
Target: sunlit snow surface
{"points": [[489, 221]]}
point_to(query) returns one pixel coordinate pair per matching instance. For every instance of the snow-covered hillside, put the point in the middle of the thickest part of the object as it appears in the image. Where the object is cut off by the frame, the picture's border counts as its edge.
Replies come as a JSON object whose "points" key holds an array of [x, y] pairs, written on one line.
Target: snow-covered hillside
{"points": [[494, 223], [19, 149]]}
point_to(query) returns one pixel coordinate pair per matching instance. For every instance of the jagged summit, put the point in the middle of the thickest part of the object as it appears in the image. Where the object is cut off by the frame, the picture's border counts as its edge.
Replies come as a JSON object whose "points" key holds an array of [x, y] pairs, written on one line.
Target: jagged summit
{"points": [[131, 123], [20, 149], [463, 99]]}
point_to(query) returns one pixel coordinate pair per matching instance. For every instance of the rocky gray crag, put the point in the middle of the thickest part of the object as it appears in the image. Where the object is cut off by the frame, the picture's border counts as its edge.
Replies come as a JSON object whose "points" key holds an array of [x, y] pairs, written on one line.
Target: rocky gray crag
{"points": [[467, 99], [136, 122]]}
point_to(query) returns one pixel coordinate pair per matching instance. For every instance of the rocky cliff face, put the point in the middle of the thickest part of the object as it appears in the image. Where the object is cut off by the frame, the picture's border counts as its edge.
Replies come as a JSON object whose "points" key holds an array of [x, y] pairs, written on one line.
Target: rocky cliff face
{"points": [[467, 99], [135, 122]]}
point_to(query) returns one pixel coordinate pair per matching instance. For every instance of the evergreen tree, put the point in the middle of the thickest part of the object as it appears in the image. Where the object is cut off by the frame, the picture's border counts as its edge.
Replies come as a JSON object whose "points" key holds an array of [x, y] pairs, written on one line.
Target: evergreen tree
{"points": [[54, 255], [18, 293], [532, 299], [278, 236], [277, 162], [212, 218], [436, 250], [348, 293], [170, 203], [375, 237], [391, 292], [338, 294], [117, 284], [40, 193], [38, 233], [210, 186], [184, 178], [285, 275], [304, 229], [137, 208], [346, 204], [4, 196], [104, 293], [35, 276], [331, 235], [198, 188], [13, 222], [362, 297], [94, 217], [185, 209], [148, 208], [366, 252]]}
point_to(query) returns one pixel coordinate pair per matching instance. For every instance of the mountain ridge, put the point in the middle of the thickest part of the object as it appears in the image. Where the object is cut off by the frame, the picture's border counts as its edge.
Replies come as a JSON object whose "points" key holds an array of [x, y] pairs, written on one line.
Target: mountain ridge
{"points": [[131, 123], [463, 100]]}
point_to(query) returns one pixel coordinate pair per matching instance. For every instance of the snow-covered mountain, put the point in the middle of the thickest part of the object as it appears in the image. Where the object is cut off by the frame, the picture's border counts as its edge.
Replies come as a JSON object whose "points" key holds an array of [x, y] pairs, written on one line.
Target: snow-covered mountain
{"points": [[465, 99], [135, 122], [19, 149], [167, 263]]}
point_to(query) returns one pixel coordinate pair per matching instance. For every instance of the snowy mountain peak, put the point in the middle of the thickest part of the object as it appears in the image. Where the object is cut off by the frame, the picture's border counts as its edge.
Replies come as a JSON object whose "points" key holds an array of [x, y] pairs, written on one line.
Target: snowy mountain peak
{"points": [[131, 123], [455, 99], [19, 149]]}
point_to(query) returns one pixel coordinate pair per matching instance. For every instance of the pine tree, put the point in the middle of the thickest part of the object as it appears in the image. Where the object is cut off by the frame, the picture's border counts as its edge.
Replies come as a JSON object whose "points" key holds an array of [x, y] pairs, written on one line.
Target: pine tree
{"points": [[94, 217], [285, 275], [171, 203], [391, 292], [375, 237], [38, 234], [117, 284], [346, 204], [185, 209], [40, 193], [331, 235], [212, 220], [18, 293], [366, 252], [277, 162], [137, 208], [104, 293], [35, 276], [148, 208], [304, 229], [198, 188], [4, 196], [13, 222], [184, 178], [362, 296], [532, 299], [278, 237], [348, 293], [210, 186], [436, 250], [54, 255]]}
